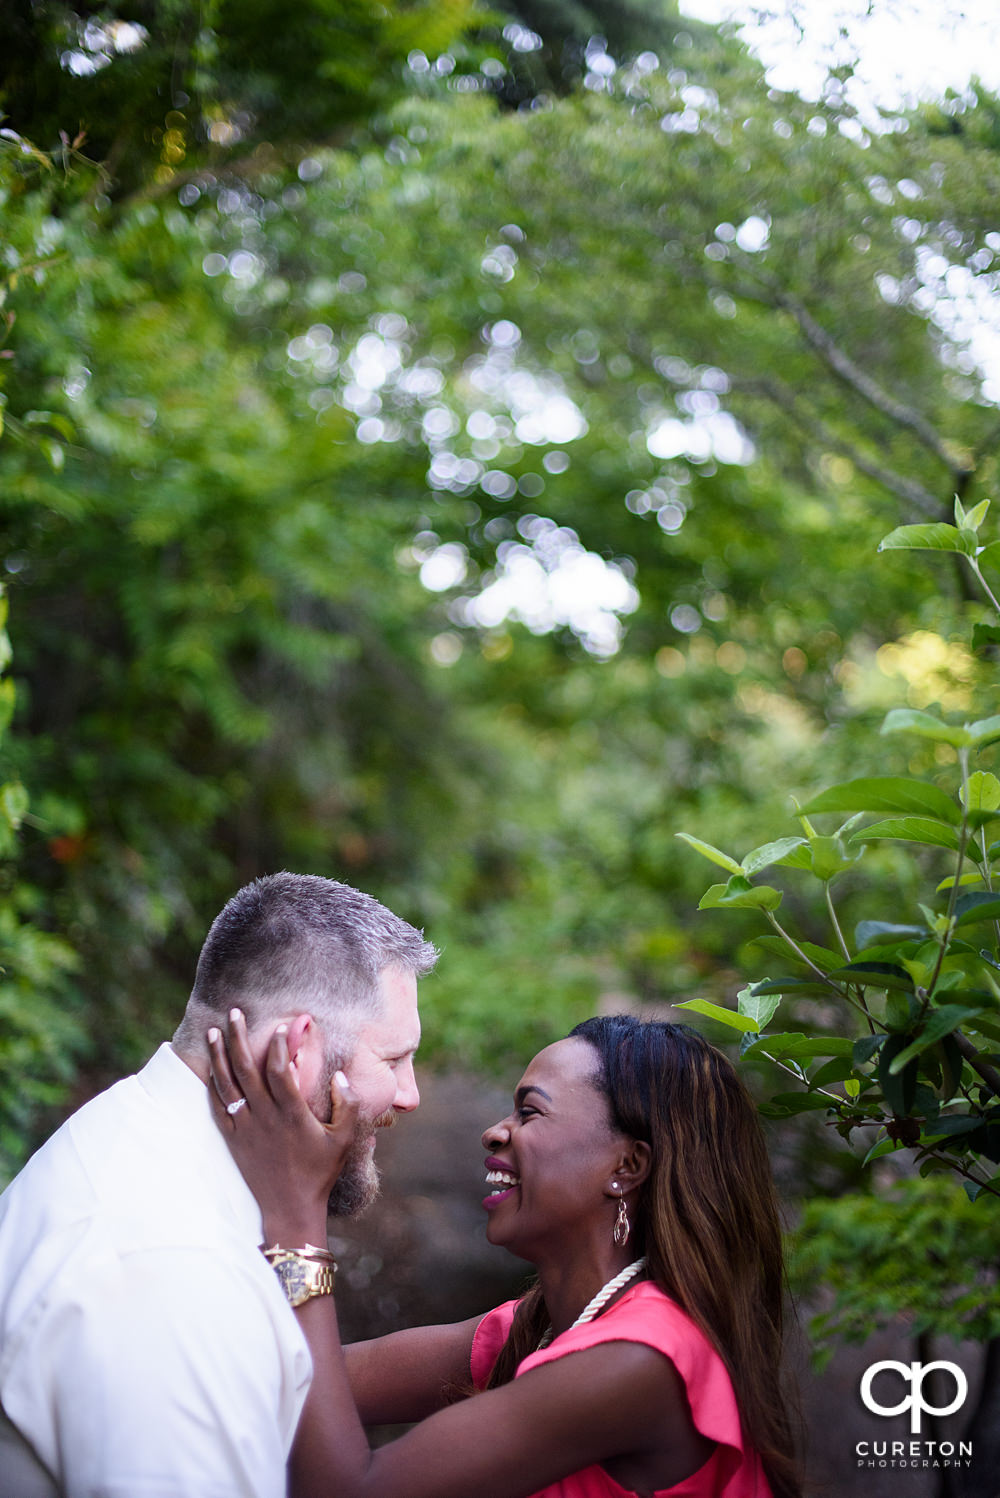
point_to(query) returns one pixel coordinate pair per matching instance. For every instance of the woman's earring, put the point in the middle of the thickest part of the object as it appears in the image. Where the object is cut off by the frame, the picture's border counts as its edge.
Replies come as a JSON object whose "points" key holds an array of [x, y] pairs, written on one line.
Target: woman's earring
{"points": [[622, 1225]]}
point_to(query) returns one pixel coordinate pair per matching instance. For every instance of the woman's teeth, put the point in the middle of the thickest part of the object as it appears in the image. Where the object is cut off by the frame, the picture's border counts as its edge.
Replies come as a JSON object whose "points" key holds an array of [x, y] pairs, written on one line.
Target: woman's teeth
{"points": [[502, 1180]]}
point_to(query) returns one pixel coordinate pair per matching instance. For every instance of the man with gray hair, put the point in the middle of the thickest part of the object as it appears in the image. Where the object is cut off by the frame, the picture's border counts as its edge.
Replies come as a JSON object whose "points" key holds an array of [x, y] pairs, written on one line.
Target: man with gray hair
{"points": [[147, 1350]]}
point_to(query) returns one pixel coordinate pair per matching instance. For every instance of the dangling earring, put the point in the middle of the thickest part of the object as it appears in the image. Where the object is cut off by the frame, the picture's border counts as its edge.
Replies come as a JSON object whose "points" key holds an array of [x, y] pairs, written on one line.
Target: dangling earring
{"points": [[622, 1225]]}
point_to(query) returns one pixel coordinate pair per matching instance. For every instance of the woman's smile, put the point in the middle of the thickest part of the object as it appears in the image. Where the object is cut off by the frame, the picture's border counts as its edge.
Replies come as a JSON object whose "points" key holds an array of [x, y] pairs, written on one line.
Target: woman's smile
{"points": [[502, 1179]]}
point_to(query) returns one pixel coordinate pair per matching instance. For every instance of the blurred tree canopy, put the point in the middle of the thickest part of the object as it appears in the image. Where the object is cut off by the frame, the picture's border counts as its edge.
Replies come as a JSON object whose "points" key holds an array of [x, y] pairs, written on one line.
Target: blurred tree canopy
{"points": [[154, 87], [445, 451]]}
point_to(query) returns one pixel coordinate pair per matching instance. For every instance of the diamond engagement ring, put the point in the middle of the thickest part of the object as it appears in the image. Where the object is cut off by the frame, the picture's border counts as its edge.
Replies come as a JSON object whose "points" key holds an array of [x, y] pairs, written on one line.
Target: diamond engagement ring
{"points": [[233, 1108]]}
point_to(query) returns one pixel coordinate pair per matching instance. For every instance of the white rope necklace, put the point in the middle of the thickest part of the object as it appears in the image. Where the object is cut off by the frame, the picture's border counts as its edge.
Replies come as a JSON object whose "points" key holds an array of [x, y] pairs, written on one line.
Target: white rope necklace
{"points": [[600, 1300]]}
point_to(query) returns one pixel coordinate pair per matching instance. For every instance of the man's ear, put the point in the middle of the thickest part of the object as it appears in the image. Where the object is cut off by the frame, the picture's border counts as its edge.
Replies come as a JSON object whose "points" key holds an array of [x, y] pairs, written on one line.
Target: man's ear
{"points": [[303, 1034], [634, 1165]]}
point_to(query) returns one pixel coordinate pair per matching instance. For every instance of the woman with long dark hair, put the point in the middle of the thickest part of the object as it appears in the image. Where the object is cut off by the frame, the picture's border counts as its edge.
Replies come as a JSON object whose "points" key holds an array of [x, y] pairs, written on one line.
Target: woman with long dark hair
{"points": [[646, 1359]]}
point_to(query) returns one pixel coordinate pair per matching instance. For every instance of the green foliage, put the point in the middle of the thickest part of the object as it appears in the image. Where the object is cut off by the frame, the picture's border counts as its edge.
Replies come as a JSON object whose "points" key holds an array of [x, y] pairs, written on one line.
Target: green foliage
{"points": [[38, 1038], [924, 1077], [252, 404], [917, 1252], [164, 89]]}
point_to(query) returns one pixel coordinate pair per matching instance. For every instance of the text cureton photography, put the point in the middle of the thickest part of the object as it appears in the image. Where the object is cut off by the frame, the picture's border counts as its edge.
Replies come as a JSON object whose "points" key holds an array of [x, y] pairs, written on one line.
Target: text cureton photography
{"points": [[917, 1452]]}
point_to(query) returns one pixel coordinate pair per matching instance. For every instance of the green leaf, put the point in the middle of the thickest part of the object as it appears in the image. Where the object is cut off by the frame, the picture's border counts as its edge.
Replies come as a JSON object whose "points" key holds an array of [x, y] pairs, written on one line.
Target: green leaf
{"points": [[940, 1022], [874, 975], [887, 793], [829, 858], [933, 1166], [714, 855], [952, 1126], [821, 956], [985, 635], [13, 803], [934, 537], [7, 700], [909, 830], [987, 1141], [973, 998], [864, 1049], [785, 1104], [793, 986], [901, 1010], [985, 731], [879, 1148], [949, 883], [54, 419], [952, 1062], [798, 858], [977, 819], [991, 555], [879, 933], [982, 793], [899, 1087], [748, 1039], [759, 1007], [937, 923], [769, 853], [836, 1070], [926, 726], [975, 517], [980, 905], [795, 1046], [741, 894], [723, 1016]]}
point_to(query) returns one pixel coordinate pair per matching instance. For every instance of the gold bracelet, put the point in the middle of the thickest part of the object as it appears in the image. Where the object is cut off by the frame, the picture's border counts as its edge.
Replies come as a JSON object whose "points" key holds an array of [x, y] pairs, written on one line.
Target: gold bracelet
{"points": [[307, 1251]]}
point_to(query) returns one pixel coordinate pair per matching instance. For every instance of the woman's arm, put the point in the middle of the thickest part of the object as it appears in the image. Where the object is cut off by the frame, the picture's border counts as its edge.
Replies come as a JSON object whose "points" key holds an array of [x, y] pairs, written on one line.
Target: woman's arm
{"points": [[620, 1399], [407, 1375]]}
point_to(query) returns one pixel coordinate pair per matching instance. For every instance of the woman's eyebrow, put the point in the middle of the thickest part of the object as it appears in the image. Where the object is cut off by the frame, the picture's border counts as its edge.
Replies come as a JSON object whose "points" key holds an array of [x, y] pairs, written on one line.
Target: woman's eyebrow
{"points": [[522, 1093]]}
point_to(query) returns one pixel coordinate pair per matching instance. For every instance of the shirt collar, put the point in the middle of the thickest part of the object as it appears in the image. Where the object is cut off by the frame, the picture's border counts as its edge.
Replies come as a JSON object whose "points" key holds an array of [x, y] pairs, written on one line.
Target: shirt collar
{"points": [[181, 1093]]}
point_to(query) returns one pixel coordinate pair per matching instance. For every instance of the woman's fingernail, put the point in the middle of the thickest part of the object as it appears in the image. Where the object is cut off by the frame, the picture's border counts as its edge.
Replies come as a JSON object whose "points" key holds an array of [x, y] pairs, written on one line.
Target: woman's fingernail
{"points": [[213, 1035], [234, 1013], [341, 1081], [281, 1029]]}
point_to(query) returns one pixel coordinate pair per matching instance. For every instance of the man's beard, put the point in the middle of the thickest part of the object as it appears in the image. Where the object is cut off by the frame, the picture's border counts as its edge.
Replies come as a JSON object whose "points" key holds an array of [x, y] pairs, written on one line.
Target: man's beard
{"points": [[358, 1184]]}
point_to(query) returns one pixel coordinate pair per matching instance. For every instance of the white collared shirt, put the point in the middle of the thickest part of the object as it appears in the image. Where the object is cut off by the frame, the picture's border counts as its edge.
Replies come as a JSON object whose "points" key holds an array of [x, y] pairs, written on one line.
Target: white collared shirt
{"points": [[146, 1348]]}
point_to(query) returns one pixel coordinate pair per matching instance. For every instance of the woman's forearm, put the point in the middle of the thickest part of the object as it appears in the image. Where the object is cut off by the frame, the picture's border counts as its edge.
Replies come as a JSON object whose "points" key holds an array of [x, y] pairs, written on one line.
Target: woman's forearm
{"points": [[331, 1455], [408, 1375]]}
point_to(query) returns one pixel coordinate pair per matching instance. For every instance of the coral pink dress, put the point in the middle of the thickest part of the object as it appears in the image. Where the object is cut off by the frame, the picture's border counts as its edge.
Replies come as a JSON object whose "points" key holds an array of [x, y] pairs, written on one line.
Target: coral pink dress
{"points": [[645, 1314]]}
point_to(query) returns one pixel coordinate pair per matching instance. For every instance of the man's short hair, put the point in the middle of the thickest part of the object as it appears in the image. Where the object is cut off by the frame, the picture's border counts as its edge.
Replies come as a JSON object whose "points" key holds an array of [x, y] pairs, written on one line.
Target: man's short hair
{"points": [[296, 943]]}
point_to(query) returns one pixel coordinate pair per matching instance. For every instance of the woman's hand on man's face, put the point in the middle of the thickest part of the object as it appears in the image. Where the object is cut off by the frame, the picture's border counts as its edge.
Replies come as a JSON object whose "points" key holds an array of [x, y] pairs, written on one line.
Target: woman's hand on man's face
{"points": [[289, 1159]]}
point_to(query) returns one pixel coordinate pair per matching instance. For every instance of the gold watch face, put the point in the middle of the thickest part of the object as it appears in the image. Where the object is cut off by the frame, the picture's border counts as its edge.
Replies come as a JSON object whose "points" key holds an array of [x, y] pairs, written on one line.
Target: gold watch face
{"points": [[294, 1282], [301, 1280]]}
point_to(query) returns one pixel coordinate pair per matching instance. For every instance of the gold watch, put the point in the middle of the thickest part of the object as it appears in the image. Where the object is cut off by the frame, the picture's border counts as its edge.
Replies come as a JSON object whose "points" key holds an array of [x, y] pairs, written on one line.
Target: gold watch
{"points": [[302, 1273]]}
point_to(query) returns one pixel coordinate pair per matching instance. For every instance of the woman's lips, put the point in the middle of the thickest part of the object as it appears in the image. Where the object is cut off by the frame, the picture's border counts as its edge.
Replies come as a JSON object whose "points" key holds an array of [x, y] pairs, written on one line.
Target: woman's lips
{"points": [[496, 1197], [502, 1179]]}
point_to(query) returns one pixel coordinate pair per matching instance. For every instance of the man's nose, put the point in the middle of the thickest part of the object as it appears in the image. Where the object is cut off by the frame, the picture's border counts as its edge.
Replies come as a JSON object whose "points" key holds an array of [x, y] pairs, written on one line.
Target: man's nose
{"points": [[407, 1093]]}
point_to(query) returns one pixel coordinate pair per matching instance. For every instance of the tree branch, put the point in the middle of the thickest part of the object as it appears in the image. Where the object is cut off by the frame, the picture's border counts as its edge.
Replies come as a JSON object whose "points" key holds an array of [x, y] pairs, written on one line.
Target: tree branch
{"points": [[987, 1073], [921, 499], [845, 368]]}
